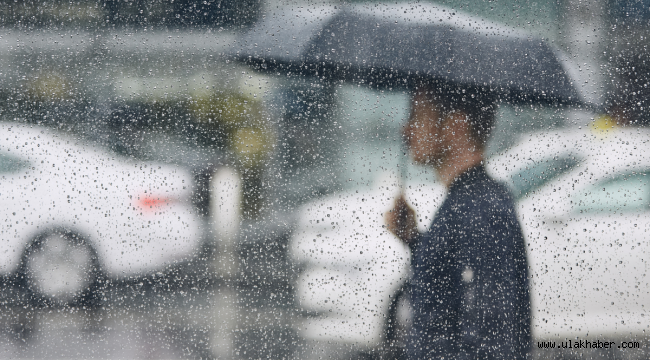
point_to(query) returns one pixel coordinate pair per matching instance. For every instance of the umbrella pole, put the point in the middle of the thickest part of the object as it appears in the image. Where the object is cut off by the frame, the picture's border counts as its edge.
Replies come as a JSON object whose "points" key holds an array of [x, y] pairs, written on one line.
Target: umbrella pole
{"points": [[403, 166], [402, 169]]}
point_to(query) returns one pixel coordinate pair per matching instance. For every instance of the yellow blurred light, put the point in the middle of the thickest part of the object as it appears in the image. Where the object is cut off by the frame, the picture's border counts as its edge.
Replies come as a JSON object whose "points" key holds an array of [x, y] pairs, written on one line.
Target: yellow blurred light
{"points": [[603, 125], [231, 110], [50, 86], [251, 145]]}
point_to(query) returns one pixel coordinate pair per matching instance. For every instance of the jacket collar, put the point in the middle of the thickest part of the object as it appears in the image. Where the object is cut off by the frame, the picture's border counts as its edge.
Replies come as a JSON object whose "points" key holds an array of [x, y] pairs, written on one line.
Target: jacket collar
{"points": [[469, 177]]}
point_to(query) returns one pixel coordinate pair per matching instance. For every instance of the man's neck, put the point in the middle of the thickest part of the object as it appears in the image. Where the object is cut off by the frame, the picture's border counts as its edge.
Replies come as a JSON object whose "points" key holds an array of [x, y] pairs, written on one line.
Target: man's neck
{"points": [[454, 166]]}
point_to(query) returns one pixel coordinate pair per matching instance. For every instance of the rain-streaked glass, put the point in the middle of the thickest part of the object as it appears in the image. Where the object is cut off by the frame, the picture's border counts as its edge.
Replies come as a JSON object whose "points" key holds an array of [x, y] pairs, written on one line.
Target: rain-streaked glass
{"points": [[178, 184]]}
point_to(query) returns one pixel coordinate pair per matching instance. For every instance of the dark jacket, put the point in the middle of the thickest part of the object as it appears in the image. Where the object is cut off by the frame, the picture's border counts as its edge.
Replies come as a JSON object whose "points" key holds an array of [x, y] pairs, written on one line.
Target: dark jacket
{"points": [[470, 292]]}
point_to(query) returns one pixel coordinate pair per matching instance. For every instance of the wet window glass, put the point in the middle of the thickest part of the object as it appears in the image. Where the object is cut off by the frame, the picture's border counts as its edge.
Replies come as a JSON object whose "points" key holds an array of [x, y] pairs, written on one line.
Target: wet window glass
{"points": [[293, 179]]}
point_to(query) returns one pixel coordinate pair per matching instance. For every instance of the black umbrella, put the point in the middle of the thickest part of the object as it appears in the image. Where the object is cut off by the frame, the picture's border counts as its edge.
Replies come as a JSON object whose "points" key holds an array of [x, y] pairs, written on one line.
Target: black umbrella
{"points": [[392, 46]]}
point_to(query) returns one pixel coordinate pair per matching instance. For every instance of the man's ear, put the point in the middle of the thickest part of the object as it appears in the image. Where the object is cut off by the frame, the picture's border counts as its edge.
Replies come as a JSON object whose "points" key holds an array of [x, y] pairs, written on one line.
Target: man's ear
{"points": [[464, 130], [458, 129], [458, 122]]}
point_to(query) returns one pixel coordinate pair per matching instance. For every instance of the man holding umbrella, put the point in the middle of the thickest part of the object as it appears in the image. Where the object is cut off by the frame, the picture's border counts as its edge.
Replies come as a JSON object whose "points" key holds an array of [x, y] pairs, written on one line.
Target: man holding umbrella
{"points": [[469, 284], [469, 287]]}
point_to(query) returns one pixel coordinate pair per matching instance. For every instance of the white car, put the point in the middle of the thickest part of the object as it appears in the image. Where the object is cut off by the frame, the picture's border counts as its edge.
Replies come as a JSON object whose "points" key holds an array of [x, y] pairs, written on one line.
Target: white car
{"points": [[583, 199], [584, 205], [354, 267], [73, 214]]}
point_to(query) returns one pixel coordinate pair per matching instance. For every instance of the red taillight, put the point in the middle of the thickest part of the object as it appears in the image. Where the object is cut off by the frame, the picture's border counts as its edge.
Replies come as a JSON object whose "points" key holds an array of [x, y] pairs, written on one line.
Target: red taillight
{"points": [[154, 202]]}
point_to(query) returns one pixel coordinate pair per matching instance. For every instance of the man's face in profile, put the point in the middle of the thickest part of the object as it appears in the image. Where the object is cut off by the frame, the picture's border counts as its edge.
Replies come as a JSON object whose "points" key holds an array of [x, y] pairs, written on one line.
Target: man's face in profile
{"points": [[425, 130]]}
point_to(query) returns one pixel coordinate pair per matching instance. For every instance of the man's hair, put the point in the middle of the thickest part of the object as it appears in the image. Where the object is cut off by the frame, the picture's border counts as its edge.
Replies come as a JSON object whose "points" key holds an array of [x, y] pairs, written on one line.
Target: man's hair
{"points": [[479, 104]]}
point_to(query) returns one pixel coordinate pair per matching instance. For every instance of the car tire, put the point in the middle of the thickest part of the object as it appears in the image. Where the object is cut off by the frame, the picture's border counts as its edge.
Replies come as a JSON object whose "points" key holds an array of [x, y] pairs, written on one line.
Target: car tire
{"points": [[60, 268]]}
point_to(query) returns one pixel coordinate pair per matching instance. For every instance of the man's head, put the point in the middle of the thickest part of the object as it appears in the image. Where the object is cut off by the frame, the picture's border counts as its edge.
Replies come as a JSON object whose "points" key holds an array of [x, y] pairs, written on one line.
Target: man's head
{"points": [[445, 119]]}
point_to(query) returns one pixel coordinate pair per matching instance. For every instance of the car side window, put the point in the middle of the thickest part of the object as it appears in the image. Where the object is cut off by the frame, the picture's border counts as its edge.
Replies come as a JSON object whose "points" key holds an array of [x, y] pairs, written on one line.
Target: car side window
{"points": [[10, 163], [535, 176], [625, 193]]}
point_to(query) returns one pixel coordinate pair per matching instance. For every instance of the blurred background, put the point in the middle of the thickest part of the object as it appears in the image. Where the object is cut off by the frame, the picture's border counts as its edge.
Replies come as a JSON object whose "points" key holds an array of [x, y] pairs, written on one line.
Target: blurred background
{"points": [[145, 83]]}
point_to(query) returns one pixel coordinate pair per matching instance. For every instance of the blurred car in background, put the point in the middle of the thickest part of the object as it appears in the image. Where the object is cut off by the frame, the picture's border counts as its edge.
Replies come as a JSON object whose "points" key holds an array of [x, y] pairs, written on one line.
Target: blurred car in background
{"points": [[354, 268], [76, 216], [583, 197], [584, 205]]}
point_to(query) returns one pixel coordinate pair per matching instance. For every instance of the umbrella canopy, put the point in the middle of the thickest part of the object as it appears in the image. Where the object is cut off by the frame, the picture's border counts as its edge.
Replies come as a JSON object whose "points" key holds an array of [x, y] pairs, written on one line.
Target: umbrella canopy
{"points": [[394, 45]]}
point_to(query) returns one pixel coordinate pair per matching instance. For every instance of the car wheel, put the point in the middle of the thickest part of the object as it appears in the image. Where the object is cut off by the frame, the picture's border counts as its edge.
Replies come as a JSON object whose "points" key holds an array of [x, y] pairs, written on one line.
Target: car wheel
{"points": [[60, 268]]}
